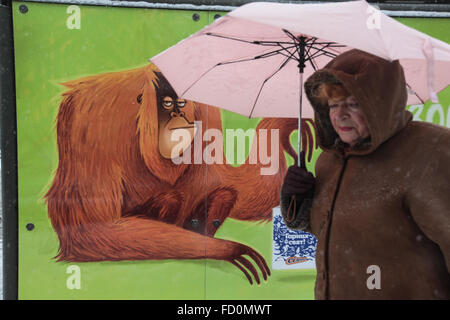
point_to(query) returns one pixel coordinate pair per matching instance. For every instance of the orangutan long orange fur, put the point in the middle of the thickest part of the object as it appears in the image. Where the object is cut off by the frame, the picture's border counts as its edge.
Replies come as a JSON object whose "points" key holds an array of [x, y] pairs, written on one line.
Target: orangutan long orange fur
{"points": [[115, 198]]}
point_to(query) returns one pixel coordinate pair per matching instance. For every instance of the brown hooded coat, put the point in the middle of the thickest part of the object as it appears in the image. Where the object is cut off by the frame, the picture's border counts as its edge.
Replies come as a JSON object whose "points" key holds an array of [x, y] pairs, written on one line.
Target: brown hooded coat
{"points": [[385, 203]]}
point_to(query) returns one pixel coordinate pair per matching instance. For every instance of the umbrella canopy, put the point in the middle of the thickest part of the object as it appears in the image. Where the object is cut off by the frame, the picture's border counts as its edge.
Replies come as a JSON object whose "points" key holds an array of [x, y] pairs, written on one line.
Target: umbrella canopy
{"points": [[247, 61]]}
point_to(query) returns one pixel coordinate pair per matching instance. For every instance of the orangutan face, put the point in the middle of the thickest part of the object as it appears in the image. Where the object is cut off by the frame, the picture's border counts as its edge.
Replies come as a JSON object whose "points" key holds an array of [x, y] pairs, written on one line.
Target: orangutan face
{"points": [[348, 120], [173, 114]]}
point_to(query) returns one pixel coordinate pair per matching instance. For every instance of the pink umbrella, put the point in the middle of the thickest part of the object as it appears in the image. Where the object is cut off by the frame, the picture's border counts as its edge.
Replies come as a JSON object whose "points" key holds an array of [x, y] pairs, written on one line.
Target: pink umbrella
{"points": [[252, 61]]}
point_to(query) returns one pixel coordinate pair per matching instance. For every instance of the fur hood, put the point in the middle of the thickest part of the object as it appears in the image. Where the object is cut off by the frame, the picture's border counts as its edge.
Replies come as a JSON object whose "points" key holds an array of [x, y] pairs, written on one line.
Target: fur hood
{"points": [[377, 84]]}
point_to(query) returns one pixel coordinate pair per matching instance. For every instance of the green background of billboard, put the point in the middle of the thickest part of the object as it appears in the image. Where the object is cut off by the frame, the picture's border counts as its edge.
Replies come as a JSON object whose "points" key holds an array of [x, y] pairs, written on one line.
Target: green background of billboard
{"points": [[47, 53]]}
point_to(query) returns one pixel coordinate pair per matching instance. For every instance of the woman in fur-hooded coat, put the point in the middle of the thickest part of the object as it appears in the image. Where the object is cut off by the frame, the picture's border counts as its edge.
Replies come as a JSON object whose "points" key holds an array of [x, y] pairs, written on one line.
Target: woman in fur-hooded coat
{"points": [[381, 208]]}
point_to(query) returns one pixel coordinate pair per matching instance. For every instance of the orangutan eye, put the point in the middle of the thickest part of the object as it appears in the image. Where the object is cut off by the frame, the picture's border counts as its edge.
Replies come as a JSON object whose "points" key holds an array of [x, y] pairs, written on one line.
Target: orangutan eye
{"points": [[167, 103], [181, 103]]}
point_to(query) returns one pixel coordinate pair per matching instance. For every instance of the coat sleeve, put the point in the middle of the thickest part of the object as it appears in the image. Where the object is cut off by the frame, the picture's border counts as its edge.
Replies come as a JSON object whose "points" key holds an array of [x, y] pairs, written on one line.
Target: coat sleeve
{"points": [[299, 208], [429, 200]]}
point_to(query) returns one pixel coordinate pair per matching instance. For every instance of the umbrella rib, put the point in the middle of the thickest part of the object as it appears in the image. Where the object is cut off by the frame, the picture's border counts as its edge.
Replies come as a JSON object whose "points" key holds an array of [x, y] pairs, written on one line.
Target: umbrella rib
{"points": [[263, 43], [311, 42], [321, 52], [290, 35], [193, 83], [282, 48], [234, 61], [265, 81], [279, 51], [265, 55], [421, 100], [210, 69], [318, 54], [226, 37], [271, 43], [291, 54], [314, 63], [322, 48], [310, 59], [310, 46], [330, 46], [231, 62]]}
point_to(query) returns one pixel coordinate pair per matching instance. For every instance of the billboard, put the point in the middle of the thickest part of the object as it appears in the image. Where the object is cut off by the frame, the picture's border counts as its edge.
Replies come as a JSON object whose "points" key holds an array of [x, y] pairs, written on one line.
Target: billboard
{"points": [[103, 213]]}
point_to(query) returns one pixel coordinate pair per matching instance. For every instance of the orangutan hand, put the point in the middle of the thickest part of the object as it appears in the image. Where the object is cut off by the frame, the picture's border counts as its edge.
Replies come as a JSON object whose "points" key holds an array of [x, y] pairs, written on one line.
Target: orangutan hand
{"points": [[234, 252], [238, 259]]}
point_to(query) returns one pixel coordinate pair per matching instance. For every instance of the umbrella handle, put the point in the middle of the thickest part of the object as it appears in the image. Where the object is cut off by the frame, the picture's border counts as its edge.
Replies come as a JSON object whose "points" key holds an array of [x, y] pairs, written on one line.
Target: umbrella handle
{"points": [[300, 120]]}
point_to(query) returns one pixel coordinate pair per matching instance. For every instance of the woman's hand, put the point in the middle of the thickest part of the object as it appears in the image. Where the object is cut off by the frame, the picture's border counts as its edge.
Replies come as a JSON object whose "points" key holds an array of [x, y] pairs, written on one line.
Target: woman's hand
{"points": [[298, 181]]}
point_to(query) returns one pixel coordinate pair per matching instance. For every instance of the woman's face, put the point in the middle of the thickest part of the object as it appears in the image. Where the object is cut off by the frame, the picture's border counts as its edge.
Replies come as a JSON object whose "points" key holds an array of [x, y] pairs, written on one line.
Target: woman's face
{"points": [[348, 120]]}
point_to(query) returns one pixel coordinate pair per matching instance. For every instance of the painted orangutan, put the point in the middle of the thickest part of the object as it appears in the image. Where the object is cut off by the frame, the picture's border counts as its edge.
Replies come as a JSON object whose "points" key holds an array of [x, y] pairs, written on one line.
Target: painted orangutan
{"points": [[117, 194]]}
